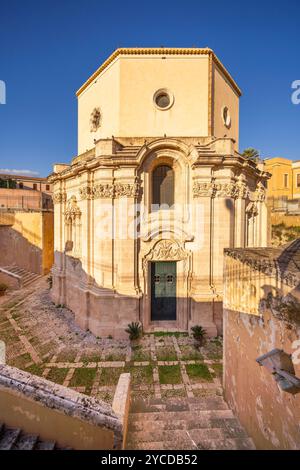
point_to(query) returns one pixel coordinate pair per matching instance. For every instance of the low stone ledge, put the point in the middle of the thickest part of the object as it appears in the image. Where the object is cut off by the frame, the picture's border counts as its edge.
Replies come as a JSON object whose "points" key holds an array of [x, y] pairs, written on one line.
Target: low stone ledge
{"points": [[61, 399], [121, 402]]}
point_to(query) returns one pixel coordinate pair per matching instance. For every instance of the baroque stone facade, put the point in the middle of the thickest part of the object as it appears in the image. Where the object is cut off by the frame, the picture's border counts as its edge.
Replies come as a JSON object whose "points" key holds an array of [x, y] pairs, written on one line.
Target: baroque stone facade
{"points": [[109, 235]]}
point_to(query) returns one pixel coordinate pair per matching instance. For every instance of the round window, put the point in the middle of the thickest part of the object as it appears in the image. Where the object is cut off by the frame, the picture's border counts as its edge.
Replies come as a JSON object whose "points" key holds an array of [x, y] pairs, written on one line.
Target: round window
{"points": [[163, 99], [226, 116]]}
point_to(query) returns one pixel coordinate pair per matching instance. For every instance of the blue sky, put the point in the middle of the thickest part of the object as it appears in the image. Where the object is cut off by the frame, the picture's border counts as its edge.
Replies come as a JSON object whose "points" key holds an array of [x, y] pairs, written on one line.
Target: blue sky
{"points": [[49, 48]]}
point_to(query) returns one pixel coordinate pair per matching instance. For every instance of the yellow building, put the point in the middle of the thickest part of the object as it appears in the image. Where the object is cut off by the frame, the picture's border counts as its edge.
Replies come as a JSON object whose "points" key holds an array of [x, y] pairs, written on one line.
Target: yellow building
{"points": [[285, 180]]}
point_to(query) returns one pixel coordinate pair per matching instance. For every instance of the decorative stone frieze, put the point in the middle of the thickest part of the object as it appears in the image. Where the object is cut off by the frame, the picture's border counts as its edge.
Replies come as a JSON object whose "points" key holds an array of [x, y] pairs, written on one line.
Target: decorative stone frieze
{"points": [[109, 190], [237, 190], [260, 192], [59, 197]]}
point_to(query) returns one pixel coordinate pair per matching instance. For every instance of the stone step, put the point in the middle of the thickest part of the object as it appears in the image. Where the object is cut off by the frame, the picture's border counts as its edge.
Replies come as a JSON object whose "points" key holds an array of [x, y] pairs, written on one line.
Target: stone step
{"points": [[200, 415], [45, 445], [26, 442], [8, 438], [184, 404]]}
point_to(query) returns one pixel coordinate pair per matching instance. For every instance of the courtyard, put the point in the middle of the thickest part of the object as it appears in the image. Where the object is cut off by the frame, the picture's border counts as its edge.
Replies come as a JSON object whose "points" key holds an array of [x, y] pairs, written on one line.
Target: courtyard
{"points": [[42, 338]]}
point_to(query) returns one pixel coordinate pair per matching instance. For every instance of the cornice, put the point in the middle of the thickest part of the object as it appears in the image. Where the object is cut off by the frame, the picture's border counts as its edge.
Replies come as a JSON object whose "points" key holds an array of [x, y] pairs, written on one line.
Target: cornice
{"points": [[170, 51]]}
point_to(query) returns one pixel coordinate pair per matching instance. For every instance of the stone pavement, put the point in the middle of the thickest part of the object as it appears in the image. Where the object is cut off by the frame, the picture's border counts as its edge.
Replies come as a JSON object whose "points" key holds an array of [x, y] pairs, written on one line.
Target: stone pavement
{"points": [[176, 388], [43, 338]]}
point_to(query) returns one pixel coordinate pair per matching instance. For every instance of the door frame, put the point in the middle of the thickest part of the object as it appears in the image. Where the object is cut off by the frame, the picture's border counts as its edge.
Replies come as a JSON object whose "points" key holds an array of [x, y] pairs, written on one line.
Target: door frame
{"points": [[167, 250], [151, 289]]}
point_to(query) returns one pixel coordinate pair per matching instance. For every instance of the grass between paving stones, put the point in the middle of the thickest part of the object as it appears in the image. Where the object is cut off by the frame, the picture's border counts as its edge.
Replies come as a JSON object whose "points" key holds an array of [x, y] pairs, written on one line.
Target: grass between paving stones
{"points": [[177, 334], [115, 356], [166, 353], [139, 354], [57, 375], [169, 374], [180, 393], [8, 335], [110, 375], [199, 373], [86, 358], [83, 377], [66, 356], [218, 368], [190, 353], [21, 361], [140, 375], [35, 369]]}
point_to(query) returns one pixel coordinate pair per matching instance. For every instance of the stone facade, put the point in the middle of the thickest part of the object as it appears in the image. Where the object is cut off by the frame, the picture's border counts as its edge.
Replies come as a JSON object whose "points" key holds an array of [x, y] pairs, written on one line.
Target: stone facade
{"points": [[107, 234]]}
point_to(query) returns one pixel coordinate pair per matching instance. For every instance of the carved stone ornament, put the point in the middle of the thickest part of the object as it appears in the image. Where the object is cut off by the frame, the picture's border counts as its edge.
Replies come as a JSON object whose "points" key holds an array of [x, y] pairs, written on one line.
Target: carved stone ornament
{"points": [[95, 119], [237, 190], [109, 190], [260, 192], [251, 209], [167, 250], [59, 197], [72, 211]]}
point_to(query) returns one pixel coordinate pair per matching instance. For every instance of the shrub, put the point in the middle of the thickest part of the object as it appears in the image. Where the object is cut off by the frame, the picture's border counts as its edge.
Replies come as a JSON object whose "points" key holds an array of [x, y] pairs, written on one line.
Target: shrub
{"points": [[50, 281], [134, 329], [3, 288], [198, 333]]}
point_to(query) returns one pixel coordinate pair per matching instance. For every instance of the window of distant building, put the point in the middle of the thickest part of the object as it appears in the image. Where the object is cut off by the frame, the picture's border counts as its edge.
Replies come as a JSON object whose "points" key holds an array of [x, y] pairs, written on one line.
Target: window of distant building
{"points": [[298, 180], [21, 185], [47, 187], [285, 180], [34, 186]]}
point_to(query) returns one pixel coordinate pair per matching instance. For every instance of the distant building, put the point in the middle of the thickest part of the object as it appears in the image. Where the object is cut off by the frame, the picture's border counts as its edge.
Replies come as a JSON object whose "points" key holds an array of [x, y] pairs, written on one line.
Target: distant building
{"points": [[285, 180], [25, 192]]}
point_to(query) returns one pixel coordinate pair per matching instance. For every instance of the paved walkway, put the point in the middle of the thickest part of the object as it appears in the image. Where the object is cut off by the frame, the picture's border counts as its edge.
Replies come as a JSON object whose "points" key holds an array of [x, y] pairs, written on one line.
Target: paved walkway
{"points": [[43, 339]]}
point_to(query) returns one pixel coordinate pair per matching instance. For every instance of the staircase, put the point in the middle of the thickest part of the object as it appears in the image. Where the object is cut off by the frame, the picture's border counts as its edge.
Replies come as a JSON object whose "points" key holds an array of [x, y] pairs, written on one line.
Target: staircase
{"points": [[15, 439], [26, 277], [185, 424]]}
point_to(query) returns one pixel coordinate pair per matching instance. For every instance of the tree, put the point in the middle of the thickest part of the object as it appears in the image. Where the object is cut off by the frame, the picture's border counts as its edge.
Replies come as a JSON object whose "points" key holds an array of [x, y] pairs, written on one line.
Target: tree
{"points": [[251, 154]]}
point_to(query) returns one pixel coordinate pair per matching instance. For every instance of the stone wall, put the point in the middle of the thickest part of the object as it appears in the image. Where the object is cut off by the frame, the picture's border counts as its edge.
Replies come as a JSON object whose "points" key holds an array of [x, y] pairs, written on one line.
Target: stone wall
{"points": [[27, 241], [254, 281]]}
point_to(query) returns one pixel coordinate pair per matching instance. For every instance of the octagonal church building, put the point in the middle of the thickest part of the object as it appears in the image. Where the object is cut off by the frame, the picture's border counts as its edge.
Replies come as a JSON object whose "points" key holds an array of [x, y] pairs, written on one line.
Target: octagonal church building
{"points": [[157, 191]]}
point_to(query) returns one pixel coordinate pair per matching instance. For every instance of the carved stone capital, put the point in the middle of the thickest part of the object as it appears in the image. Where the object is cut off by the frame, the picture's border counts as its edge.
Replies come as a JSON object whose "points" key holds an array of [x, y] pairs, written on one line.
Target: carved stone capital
{"points": [[59, 197]]}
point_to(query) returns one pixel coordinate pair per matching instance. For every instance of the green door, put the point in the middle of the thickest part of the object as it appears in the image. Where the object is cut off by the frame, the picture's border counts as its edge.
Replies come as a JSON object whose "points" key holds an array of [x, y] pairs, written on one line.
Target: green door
{"points": [[163, 290]]}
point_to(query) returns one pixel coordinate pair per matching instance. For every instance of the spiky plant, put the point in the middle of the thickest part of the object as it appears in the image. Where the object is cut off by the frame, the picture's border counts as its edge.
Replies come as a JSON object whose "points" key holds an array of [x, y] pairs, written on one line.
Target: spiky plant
{"points": [[199, 334], [134, 330]]}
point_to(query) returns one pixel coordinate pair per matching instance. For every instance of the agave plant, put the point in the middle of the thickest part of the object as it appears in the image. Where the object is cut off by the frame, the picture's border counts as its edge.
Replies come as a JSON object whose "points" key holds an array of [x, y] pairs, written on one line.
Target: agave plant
{"points": [[135, 331], [199, 334]]}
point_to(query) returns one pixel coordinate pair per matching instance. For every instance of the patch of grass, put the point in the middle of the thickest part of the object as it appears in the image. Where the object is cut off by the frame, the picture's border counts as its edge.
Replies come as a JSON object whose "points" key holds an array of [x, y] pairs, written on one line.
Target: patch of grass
{"points": [[8, 335], [21, 361], [115, 356], [177, 334], [173, 393], [218, 368], [83, 377], [110, 375], [166, 353], [57, 375], [66, 356], [92, 357], [106, 396], [198, 372], [190, 353], [35, 369], [169, 374], [141, 375], [139, 354]]}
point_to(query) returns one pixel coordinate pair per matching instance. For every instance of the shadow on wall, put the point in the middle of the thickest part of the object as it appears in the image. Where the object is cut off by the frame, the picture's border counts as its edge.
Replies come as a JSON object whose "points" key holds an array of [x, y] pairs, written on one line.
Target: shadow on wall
{"points": [[107, 311], [27, 241], [270, 415]]}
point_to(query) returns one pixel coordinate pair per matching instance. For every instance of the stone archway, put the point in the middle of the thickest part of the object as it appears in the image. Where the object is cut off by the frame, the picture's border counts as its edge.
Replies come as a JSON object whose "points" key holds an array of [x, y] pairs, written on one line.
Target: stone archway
{"points": [[168, 250]]}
